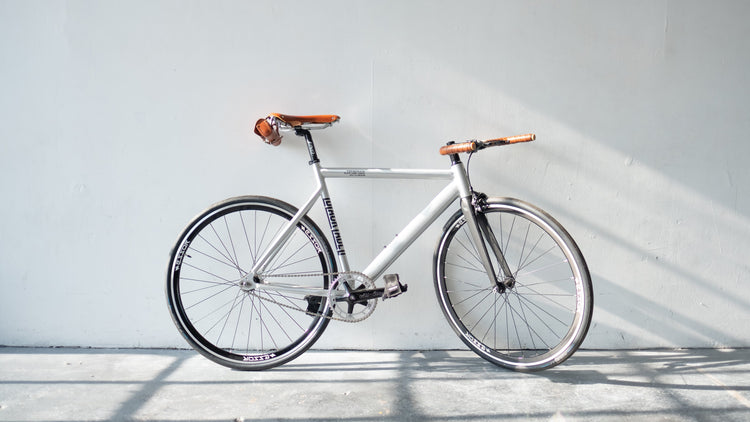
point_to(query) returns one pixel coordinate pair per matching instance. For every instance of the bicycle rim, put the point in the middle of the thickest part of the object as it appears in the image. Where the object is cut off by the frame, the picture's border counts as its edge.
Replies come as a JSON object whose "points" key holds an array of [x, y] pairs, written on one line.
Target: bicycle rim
{"points": [[235, 326], [537, 323]]}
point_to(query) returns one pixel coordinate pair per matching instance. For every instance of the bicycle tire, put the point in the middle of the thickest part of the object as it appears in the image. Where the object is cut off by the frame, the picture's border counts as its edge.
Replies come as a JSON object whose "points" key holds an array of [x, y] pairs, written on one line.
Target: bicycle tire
{"points": [[240, 328], [539, 322]]}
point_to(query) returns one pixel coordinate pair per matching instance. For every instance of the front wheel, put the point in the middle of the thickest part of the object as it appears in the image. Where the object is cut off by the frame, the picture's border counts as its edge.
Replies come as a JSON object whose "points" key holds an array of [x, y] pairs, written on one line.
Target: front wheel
{"points": [[538, 322]]}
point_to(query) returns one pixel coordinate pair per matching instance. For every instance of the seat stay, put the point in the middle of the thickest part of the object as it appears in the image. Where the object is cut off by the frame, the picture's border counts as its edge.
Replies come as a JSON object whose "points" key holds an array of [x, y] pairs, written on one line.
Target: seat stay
{"points": [[278, 241]]}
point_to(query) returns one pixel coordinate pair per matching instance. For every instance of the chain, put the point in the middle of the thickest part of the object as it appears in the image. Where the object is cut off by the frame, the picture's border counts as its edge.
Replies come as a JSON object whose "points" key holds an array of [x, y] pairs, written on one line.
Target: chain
{"points": [[295, 308]]}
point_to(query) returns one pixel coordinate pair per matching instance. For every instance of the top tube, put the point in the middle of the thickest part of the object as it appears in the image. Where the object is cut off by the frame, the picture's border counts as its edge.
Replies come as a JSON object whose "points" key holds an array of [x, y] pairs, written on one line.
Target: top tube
{"points": [[385, 173]]}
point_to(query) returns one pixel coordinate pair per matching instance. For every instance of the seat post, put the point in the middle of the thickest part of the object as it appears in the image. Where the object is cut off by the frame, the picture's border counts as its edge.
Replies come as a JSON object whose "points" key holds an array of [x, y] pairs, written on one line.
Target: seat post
{"points": [[310, 145]]}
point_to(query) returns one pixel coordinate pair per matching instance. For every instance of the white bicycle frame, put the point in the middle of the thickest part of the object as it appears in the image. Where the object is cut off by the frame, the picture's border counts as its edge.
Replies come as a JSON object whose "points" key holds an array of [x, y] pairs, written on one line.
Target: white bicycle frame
{"points": [[457, 188]]}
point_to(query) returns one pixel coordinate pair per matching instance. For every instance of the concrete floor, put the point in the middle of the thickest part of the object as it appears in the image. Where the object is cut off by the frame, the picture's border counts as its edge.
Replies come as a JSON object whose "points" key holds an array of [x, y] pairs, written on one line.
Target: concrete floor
{"points": [[180, 385]]}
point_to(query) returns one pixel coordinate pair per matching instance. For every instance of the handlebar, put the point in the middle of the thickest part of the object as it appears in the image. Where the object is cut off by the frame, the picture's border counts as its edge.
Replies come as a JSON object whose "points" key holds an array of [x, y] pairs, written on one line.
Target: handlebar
{"points": [[471, 146]]}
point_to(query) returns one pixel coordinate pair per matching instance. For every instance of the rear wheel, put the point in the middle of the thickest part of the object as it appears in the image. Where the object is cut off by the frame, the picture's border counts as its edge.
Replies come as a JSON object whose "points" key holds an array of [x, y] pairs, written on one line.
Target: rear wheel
{"points": [[541, 320], [228, 321]]}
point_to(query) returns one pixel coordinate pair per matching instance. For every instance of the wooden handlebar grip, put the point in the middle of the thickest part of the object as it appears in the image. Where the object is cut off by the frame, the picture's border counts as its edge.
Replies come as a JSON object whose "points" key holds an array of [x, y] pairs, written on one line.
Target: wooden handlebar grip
{"points": [[521, 138], [511, 139], [458, 148]]}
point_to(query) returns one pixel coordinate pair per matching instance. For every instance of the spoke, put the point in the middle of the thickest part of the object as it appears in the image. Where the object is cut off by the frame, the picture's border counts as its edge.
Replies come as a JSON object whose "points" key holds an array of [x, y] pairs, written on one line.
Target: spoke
{"points": [[549, 294], [239, 318], [195, 321], [277, 323], [494, 324], [534, 292], [528, 326], [258, 244], [500, 223], [564, 261], [209, 297], [250, 322], [559, 280], [283, 309], [523, 247], [515, 325], [539, 307], [228, 314], [229, 264], [285, 263], [535, 259], [510, 232], [465, 268], [280, 252], [209, 243], [507, 324], [520, 301], [466, 260], [478, 292], [475, 306], [259, 310], [231, 242], [255, 232], [478, 289], [531, 329], [229, 254], [533, 248], [212, 285], [473, 251], [272, 271], [483, 315], [265, 230], [207, 272], [276, 265], [466, 282], [224, 317], [247, 239]]}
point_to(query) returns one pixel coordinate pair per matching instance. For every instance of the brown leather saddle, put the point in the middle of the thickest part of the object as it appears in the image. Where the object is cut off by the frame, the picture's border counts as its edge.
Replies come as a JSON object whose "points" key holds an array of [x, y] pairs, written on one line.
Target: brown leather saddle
{"points": [[268, 128]]}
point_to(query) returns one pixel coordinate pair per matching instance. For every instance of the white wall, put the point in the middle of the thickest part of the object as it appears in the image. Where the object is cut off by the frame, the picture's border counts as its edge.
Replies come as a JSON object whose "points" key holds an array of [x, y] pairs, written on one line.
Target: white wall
{"points": [[119, 121]]}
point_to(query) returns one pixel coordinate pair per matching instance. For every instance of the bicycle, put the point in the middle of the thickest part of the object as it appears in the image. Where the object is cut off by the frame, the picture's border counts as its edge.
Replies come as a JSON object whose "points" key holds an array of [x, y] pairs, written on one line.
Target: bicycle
{"points": [[253, 282]]}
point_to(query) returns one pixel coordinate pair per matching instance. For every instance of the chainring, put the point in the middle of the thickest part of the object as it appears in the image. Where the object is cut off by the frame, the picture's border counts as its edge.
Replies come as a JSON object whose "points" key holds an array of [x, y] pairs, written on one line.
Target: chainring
{"points": [[339, 294]]}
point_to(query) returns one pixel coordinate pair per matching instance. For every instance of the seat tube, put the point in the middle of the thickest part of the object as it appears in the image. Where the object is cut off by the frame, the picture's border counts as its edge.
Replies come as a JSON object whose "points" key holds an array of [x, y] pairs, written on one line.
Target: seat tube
{"points": [[327, 203]]}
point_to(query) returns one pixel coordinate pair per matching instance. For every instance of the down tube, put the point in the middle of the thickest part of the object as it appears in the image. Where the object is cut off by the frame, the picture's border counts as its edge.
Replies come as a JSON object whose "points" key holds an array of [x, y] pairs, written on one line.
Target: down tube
{"points": [[412, 231]]}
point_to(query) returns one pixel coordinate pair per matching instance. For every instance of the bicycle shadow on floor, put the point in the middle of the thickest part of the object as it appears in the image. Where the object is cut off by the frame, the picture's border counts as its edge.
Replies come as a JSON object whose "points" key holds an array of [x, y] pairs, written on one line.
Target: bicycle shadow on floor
{"points": [[681, 369], [636, 368], [670, 375]]}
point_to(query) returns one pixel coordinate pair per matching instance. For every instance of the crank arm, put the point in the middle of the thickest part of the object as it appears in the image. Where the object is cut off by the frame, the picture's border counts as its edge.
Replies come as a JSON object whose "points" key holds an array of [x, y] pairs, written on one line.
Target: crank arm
{"points": [[361, 295]]}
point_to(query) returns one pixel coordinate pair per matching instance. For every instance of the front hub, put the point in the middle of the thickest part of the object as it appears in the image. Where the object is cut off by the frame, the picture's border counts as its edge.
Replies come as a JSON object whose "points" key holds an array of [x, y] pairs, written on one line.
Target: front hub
{"points": [[508, 283]]}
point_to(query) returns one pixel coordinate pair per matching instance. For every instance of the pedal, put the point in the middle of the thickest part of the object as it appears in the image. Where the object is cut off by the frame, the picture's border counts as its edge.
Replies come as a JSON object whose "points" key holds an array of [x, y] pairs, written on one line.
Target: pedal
{"points": [[393, 286]]}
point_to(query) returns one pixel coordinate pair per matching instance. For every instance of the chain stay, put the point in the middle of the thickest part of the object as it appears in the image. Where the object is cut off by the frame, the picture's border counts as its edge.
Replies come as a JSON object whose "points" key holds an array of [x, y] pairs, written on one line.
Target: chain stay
{"points": [[301, 275]]}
